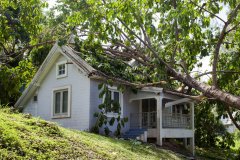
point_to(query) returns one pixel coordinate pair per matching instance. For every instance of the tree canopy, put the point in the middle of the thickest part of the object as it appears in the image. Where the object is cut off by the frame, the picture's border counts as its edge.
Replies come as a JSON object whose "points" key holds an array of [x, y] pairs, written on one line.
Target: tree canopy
{"points": [[167, 37]]}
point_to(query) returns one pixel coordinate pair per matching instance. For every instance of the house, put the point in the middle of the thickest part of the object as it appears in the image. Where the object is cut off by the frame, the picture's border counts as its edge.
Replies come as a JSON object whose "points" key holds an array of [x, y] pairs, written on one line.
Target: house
{"points": [[228, 124], [65, 90]]}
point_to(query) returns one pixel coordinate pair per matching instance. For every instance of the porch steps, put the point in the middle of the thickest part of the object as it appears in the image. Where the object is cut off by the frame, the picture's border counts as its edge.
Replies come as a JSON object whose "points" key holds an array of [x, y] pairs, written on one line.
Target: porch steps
{"points": [[134, 133]]}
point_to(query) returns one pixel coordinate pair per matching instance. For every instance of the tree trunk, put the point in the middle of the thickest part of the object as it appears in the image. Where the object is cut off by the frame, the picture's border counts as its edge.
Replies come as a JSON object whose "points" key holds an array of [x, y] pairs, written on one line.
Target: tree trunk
{"points": [[207, 90]]}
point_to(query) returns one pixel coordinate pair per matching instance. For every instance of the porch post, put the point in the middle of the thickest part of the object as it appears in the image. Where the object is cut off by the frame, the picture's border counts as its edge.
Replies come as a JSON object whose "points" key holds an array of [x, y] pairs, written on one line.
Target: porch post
{"points": [[159, 120], [192, 140], [140, 114]]}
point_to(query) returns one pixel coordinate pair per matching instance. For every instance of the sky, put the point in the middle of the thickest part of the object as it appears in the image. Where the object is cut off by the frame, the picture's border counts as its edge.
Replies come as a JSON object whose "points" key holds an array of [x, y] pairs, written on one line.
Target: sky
{"points": [[51, 3]]}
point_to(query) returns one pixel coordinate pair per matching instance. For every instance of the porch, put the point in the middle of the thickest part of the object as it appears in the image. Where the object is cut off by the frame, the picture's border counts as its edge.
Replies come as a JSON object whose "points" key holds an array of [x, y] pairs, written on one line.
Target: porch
{"points": [[162, 116]]}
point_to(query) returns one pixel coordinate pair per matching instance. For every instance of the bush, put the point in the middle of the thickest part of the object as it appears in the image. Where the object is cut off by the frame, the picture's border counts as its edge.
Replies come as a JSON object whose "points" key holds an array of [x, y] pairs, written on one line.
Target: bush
{"points": [[210, 132]]}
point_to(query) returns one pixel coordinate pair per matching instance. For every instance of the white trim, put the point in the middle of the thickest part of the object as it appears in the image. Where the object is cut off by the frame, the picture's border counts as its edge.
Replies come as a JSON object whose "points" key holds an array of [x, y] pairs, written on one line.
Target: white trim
{"points": [[57, 69], [69, 89], [114, 89], [152, 89], [169, 104]]}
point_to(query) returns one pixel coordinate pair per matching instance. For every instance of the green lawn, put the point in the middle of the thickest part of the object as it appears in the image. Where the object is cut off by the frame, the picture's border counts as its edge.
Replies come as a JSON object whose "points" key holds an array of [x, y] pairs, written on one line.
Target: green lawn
{"points": [[24, 137]]}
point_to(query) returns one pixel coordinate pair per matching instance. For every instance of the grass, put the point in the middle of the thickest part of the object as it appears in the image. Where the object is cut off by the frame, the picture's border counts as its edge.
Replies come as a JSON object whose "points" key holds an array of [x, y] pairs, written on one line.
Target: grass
{"points": [[25, 137]]}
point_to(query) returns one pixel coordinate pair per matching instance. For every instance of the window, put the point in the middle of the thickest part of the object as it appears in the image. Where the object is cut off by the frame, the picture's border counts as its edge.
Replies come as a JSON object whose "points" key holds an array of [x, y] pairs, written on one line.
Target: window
{"points": [[61, 69], [177, 109], [61, 102], [118, 97], [35, 98]]}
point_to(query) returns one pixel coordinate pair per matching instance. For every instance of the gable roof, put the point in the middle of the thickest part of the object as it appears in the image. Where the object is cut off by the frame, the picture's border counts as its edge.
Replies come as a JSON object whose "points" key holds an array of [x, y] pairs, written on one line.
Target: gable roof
{"points": [[47, 64]]}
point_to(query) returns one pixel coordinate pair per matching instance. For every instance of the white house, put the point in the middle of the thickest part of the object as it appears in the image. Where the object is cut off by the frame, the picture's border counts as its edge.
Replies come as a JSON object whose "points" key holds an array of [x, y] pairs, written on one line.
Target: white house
{"points": [[65, 90], [228, 124]]}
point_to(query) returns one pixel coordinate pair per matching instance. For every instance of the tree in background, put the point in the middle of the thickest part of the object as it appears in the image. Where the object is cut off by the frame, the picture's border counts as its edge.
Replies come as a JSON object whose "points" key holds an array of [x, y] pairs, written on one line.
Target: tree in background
{"points": [[210, 132], [26, 37], [19, 25]]}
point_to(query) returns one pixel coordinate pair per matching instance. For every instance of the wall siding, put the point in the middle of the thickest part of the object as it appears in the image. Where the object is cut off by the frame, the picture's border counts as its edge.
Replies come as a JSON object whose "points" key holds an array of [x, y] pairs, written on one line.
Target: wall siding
{"points": [[80, 86]]}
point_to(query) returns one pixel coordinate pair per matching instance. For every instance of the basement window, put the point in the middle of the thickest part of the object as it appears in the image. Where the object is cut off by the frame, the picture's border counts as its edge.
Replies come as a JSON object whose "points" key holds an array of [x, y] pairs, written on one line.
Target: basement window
{"points": [[61, 69]]}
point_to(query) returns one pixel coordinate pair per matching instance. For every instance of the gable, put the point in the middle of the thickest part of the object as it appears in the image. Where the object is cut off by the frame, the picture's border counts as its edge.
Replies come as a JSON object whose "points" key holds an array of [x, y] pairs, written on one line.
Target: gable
{"points": [[49, 62]]}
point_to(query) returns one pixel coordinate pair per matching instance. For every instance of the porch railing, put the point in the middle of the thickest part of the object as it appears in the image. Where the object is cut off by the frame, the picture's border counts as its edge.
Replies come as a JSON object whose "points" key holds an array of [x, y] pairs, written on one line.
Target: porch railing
{"points": [[170, 120], [143, 120], [176, 120]]}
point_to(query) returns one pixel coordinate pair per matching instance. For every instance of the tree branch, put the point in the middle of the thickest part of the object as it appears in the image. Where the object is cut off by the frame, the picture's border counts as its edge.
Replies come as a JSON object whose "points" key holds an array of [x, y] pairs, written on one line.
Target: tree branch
{"points": [[133, 51], [210, 72], [146, 37], [232, 15], [232, 118], [233, 28], [197, 98]]}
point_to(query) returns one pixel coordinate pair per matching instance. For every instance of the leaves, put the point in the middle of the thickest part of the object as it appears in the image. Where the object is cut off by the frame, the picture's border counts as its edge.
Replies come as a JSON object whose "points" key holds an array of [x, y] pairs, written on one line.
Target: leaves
{"points": [[108, 107], [14, 80], [20, 23], [112, 120]]}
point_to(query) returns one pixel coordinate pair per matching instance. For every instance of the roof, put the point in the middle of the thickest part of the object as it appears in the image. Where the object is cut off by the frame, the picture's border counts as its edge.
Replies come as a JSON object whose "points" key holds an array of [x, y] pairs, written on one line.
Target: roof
{"points": [[74, 57]]}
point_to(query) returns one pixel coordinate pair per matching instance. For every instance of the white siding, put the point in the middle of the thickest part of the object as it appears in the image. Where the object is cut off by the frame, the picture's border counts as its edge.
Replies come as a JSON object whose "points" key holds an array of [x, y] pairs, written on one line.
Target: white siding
{"points": [[80, 95], [31, 107]]}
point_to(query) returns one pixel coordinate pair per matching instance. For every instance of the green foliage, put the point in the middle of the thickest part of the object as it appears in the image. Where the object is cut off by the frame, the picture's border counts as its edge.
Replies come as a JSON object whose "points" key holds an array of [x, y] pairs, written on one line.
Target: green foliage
{"points": [[108, 106], [20, 23], [210, 132], [105, 21], [117, 67], [39, 54], [216, 154], [23, 137], [12, 79]]}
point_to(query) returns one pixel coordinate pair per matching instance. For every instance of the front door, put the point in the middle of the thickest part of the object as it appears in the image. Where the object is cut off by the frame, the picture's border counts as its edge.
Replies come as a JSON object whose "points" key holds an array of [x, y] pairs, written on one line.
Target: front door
{"points": [[149, 113]]}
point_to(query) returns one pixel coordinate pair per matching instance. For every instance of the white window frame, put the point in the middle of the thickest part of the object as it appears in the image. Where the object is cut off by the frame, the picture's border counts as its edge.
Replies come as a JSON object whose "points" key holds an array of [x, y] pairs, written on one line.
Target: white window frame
{"points": [[58, 89], [57, 69], [112, 90]]}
